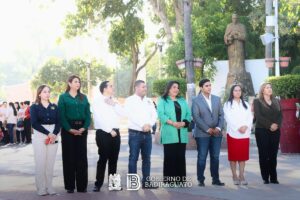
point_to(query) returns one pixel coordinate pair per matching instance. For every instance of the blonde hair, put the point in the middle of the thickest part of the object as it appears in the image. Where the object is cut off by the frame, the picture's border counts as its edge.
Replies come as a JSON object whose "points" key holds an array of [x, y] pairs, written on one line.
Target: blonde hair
{"points": [[262, 99]]}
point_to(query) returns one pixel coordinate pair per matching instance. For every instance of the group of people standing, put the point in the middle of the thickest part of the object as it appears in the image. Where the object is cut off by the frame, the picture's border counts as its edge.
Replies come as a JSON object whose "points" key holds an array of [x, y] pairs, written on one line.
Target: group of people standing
{"points": [[208, 116], [15, 122], [72, 118]]}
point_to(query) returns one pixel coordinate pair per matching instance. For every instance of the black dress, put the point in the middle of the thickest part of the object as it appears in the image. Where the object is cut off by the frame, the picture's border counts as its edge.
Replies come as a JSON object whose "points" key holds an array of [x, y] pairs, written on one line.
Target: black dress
{"points": [[174, 156]]}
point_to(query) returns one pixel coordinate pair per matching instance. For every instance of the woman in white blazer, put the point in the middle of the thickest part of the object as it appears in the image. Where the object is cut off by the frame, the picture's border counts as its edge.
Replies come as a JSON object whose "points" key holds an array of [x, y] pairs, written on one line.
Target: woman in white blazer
{"points": [[239, 122]]}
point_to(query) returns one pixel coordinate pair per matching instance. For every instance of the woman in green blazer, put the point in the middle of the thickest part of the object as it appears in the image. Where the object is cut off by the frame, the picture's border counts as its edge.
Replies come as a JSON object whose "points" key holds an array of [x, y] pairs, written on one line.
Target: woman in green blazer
{"points": [[175, 116]]}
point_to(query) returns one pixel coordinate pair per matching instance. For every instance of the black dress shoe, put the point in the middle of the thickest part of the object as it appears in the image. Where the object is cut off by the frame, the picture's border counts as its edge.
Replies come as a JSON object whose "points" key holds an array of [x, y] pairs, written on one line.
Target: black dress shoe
{"points": [[81, 191], [218, 183], [274, 181], [96, 189], [70, 191], [201, 184], [266, 182]]}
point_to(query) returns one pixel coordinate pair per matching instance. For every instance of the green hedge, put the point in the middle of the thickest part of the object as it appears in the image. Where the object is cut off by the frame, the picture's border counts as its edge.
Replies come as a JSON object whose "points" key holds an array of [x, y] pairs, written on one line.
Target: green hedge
{"points": [[296, 70], [160, 85], [286, 87]]}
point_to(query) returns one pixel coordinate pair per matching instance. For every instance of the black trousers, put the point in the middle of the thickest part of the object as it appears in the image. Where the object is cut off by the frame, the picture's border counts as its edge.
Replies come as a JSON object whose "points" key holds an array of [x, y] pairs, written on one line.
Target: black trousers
{"points": [[27, 130], [267, 143], [20, 136], [74, 157], [108, 150], [174, 163]]}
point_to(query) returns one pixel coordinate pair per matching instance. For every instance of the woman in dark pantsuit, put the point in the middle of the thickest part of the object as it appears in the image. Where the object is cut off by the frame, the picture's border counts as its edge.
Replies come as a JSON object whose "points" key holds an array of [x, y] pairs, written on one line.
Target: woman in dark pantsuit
{"points": [[267, 132]]}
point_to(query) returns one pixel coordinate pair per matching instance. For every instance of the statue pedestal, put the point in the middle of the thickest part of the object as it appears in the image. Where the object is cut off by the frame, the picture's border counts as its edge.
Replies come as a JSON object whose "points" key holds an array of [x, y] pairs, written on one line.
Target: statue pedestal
{"points": [[243, 78]]}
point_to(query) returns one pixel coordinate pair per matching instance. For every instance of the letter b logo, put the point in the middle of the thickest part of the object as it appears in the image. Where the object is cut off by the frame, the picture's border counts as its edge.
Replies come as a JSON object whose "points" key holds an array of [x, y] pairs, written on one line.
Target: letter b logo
{"points": [[133, 182]]}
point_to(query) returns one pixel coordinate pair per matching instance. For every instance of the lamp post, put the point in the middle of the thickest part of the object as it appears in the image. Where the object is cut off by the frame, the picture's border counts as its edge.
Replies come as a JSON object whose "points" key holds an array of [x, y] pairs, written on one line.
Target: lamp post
{"points": [[196, 63], [277, 69], [188, 47], [268, 38], [88, 73], [160, 45], [182, 64]]}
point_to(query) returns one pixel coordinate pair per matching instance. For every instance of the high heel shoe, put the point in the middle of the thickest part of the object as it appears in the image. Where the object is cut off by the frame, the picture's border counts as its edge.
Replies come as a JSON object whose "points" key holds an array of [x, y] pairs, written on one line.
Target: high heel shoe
{"points": [[236, 181], [244, 182]]}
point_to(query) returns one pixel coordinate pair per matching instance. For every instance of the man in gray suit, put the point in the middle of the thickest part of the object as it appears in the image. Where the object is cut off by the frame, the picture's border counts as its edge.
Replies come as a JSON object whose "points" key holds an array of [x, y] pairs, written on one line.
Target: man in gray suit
{"points": [[208, 116]]}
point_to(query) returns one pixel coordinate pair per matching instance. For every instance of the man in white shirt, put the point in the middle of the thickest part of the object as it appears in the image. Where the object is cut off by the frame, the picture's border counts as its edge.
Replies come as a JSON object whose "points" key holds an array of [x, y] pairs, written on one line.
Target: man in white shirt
{"points": [[106, 121], [142, 116]]}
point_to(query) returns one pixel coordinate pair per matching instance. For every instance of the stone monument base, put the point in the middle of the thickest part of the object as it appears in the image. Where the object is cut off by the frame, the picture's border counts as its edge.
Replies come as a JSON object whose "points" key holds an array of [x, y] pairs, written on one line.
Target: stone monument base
{"points": [[243, 78]]}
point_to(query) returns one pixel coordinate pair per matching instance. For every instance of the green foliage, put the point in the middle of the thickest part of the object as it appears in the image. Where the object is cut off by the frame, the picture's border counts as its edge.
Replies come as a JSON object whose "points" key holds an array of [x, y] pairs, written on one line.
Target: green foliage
{"points": [[159, 86], [122, 78], [127, 29], [209, 21], [56, 72], [289, 17], [287, 86], [296, 70], [174, 52], [126, 33]]}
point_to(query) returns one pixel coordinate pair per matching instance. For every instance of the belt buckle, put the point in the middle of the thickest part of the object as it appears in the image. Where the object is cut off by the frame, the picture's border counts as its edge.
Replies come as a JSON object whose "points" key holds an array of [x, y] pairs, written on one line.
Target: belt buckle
{"points": [[78, 123]]}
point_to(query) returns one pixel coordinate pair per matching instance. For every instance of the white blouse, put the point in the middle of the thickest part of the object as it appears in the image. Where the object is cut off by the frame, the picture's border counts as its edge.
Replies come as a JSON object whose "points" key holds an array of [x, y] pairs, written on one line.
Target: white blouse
{"points": [[11, 118], [237, 116]]}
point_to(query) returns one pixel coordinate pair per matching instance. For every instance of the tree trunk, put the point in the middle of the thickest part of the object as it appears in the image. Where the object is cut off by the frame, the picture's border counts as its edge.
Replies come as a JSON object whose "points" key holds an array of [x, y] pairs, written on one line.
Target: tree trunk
{"points": [[135, 69], [135, 60], [189, 51], [159, 8], [178, 7]]}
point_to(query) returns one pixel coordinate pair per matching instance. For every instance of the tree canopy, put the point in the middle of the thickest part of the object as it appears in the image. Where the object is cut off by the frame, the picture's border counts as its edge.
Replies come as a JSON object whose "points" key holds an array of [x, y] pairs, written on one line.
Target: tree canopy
{"points": [[55, 73], [127, 29], [209, 20]]}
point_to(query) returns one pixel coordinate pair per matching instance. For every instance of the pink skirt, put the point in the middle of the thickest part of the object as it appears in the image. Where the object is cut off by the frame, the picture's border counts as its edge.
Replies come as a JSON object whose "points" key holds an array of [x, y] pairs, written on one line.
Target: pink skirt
{"points": [[238, 149]]}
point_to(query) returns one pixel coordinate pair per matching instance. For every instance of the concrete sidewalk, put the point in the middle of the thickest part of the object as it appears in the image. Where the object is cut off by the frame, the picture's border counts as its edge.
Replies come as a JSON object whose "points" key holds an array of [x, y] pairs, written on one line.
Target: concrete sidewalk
{"points": [[17, 177]]}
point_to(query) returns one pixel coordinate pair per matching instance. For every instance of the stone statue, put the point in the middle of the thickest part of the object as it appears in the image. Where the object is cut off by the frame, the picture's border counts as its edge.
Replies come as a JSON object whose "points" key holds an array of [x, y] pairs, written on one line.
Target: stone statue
{"points": [[234, 38]]}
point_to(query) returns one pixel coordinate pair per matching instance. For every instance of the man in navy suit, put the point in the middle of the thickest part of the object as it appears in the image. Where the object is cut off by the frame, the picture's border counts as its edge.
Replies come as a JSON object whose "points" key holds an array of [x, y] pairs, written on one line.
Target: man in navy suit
{"points": [[208, 116]]}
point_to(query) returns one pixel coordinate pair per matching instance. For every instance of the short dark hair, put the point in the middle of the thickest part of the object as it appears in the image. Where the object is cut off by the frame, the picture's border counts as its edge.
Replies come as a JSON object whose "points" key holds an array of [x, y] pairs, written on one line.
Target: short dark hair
{"points": [[27, 103], [102, 86], [203, 81], [138, 82]]}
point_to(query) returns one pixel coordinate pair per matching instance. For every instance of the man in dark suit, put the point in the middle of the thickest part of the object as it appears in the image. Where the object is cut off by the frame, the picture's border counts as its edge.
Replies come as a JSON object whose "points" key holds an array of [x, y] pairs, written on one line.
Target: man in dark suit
{"points": [[208, 116]]}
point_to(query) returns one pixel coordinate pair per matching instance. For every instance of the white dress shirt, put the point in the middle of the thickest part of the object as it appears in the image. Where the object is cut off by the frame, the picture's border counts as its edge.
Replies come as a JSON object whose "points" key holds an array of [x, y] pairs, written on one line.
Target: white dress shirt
{"points": [[106, 117], [237, 116], [208, 101], [140, 112]]}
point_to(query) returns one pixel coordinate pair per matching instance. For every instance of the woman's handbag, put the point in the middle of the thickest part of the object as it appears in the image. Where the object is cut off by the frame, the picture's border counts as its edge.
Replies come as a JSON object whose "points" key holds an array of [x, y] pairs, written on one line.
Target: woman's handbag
{"points": [[20, 123]]}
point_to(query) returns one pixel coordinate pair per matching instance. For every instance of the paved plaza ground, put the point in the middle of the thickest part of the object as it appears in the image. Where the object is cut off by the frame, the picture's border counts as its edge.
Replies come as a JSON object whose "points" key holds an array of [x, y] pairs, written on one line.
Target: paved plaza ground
{"points": [[17, 177]]}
